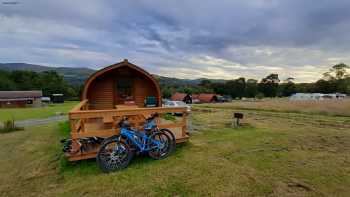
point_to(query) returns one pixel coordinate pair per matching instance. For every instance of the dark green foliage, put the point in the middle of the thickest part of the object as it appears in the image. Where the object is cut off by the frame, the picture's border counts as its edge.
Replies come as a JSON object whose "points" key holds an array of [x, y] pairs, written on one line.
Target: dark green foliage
{"points": [[50, 82], [324, 86], [269, 85], [5, 81], [205, 83], [219, 88], [167, 92], [333, 85], [343, 85], [304, 87], [337, 79], [169, 117], [194, 90], [251, 90], [288, 87], [236, 88]]}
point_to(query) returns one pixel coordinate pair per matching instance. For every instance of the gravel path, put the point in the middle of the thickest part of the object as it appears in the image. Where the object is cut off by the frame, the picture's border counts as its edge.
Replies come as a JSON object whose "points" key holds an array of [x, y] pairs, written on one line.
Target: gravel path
{"points": [[33, 122]]}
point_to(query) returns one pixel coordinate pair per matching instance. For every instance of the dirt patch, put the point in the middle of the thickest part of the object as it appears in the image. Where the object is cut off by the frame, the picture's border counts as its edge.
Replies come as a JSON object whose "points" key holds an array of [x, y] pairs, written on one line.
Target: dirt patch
{"points": [[293, 187]]}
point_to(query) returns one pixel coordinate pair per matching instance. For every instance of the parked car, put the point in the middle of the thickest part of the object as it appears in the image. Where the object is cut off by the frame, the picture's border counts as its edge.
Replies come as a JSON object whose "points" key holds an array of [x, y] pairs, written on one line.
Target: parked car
{"points": [[177, 104]]}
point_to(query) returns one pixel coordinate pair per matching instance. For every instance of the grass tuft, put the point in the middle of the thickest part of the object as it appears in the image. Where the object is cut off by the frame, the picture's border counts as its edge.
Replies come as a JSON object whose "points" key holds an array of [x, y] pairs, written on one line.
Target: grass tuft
{"points": [[9, 126]]}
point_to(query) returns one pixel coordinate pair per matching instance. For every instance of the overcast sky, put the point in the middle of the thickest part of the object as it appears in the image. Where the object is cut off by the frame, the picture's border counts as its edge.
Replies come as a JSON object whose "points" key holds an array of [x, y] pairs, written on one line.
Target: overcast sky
{"points": [[221, 39]]}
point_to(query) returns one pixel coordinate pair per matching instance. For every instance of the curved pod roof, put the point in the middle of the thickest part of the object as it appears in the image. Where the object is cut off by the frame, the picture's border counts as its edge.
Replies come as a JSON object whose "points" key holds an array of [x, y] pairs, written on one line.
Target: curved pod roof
{"points": [[124, 63]]}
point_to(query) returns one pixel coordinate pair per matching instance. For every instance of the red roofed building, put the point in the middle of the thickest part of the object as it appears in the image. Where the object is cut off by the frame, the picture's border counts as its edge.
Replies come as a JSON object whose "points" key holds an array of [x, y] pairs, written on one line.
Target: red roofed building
{"points": [[20, 99], [196, 98], [178, 96], [187, 98], [205, 98]]}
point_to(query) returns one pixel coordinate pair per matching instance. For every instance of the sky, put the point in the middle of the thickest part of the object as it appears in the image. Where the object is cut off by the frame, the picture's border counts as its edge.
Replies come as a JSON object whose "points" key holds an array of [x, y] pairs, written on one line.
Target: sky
{"points": [[222, 39]]}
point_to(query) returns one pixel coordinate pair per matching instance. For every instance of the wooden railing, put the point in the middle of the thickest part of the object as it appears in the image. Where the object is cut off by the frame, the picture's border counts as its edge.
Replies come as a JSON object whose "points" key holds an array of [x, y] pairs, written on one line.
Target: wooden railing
{"points": [[103, 123], [81, 106]]}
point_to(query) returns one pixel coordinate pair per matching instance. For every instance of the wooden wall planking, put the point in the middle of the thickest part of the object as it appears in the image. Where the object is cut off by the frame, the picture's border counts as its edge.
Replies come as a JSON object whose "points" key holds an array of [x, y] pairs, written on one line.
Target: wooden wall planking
{"points": [[102, 92]]}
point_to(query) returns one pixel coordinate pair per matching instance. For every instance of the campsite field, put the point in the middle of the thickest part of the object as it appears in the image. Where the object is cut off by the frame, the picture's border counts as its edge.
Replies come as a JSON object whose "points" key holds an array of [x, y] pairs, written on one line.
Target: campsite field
{"points": [[326, 107], [35, 113], [275, 153]]}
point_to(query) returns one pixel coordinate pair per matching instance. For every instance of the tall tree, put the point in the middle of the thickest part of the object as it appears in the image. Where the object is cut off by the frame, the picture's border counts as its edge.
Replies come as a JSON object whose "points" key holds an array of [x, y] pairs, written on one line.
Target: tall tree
{"points": [[288, 87], [219, 88], [324, 86], [269, 85], [236, 88], [25, 80], [337, 72], [6, 83], [251, 88], [337, 79], [166, 92]]}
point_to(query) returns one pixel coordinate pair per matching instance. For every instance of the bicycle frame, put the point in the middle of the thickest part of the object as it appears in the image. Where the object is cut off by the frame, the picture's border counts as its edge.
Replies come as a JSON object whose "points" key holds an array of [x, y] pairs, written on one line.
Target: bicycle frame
{"points": [[140, 139]]}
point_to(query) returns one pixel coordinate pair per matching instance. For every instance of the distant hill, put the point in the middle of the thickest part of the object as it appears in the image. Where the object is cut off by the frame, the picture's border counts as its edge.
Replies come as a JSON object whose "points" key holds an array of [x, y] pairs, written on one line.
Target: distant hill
{"points": [[170, 81], [73, 75], [77, 76]]}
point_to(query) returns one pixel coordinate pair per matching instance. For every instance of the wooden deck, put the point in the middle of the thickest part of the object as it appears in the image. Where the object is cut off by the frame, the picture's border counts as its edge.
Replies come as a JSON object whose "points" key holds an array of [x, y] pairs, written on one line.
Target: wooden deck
{"points": [[103, 123]]}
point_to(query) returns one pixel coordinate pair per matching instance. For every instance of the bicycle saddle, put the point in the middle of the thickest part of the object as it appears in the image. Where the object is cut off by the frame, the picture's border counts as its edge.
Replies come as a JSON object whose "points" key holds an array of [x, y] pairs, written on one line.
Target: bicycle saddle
{"points": [[124, 123], [153, 116]]}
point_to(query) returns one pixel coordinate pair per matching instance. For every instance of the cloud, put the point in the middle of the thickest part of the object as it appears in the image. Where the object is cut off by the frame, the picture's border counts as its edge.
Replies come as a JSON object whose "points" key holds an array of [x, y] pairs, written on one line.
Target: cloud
{"points": [[215, 39]]}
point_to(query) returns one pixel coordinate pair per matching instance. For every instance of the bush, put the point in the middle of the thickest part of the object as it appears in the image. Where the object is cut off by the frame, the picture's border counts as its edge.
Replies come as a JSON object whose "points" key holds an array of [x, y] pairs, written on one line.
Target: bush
{"points": [[9, 126], [260, 96], [169, 117]]}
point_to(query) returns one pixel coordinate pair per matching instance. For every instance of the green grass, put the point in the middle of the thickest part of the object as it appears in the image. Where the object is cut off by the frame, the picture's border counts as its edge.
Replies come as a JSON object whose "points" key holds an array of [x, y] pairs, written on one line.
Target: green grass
{"points": [[273, 154], [35, 113], [9, 126]]}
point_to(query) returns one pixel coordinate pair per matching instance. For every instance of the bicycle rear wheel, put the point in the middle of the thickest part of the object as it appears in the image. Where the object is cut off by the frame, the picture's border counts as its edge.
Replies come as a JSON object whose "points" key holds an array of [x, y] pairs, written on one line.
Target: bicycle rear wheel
{"points": [[172, 138], [160, 145]]}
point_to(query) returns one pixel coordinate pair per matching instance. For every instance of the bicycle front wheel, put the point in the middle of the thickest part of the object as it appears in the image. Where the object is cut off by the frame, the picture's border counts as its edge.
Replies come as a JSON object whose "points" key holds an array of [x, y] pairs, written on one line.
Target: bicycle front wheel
{"points": [[113, 155]]}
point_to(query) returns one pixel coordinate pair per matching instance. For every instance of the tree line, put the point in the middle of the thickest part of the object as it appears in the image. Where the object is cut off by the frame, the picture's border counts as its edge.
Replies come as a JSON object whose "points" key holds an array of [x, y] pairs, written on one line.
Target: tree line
{"points": [[337, 79], [50, 82]]}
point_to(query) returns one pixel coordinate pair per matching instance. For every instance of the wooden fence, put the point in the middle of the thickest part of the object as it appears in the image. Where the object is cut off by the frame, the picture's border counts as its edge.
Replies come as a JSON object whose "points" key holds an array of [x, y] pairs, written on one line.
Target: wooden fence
{"points": [[103, 123]]}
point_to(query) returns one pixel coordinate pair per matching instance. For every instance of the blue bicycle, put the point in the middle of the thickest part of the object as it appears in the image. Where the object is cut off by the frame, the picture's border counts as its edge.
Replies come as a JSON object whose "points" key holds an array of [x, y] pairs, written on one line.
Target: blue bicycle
{"points": [[116, 152]]}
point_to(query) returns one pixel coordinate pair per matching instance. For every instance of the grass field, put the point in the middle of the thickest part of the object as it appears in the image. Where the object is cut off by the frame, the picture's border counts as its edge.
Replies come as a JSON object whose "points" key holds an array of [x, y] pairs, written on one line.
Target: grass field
{"points": [[326, 107], [34, 113], [274, 154]]}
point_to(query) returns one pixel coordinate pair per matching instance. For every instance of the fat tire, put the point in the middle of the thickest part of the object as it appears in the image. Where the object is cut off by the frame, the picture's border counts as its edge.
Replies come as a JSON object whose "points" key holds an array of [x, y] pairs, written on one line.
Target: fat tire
{"points": [[172, 138], [153, 153], [101, 157]]}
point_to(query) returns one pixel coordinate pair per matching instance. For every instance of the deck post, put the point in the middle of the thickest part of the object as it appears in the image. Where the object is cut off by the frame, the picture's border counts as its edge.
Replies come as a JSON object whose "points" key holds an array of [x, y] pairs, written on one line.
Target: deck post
{"points": [[184, 123], [82, 122], [72, 125]]}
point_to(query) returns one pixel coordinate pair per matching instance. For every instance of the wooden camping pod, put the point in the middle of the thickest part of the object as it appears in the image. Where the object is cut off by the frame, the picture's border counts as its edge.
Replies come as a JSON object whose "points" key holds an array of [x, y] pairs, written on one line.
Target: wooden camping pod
{"points": [[119, 90], [118, 83]]}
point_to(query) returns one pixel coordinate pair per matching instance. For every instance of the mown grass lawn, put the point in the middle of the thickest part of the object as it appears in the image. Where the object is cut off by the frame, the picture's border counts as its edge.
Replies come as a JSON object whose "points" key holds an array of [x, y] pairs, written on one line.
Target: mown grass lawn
{"points": [[35, 113], [273, 154]]}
